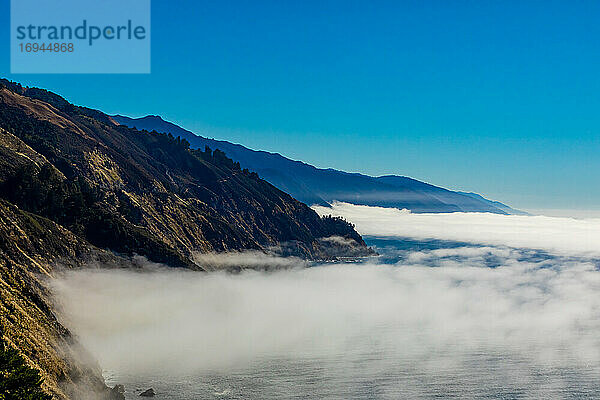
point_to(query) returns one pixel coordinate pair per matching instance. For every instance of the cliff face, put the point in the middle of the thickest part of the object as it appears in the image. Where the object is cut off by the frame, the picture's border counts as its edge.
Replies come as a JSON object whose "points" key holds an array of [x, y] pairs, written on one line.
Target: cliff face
{"points": [[77, 188], [144, 192], [30, 249]]}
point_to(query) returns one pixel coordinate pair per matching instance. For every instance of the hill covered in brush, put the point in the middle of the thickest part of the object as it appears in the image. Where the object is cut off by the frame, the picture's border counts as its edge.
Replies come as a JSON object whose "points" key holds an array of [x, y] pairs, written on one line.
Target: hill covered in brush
{"points": [[77, 189], [313, 185], [143, 192]]}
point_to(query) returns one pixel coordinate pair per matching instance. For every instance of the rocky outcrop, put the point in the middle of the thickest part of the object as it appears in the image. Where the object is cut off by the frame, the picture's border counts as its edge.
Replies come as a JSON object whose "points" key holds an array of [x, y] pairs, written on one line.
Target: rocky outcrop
{"points": [[148, 393]]}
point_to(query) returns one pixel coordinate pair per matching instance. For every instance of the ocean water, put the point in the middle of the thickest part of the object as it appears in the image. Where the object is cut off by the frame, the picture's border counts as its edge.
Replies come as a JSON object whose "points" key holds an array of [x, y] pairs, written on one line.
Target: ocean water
{"points": [[425, 319], [473, 306]]}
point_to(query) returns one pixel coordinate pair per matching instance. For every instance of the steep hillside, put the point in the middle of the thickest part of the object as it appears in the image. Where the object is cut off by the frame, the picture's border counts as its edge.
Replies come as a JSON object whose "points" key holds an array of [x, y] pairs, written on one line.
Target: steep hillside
{"points": [[319, 186], [76, 189], [146, 193], [32, 250]]}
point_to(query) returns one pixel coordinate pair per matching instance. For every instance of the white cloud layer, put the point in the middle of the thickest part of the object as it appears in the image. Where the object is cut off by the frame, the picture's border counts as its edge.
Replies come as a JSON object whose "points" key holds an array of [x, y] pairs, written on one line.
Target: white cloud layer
{"points": [[436, 322], [252, 259], [558, 235], [395, 318]]}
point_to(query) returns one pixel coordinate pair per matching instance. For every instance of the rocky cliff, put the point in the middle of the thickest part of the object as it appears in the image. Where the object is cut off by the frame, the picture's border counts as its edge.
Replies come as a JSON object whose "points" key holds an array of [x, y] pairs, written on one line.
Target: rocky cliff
{"points": [[32, 250], [75, 188]]}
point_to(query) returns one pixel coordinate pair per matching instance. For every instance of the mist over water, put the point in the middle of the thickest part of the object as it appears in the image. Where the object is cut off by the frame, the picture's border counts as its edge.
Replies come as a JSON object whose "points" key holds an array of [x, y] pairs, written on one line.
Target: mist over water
{"points": [[560, 235], [439, 314]]}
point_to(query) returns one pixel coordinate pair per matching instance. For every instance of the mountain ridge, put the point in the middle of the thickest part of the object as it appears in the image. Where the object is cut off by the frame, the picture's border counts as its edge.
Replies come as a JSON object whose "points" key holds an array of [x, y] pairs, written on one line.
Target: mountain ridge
{"points": [[138, 169], [77, 190], [321, 186]]}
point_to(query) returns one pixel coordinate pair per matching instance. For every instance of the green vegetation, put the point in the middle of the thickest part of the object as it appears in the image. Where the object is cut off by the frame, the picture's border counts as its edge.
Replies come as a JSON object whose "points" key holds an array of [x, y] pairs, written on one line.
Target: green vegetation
{"points": [[140, 192], [75, 188], [42, 191], [18, 381]]}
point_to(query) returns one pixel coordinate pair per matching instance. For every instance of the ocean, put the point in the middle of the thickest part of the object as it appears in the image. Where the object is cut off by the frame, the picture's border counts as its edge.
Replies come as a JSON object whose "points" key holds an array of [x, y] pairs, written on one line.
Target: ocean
{"points": [[426, 318]]}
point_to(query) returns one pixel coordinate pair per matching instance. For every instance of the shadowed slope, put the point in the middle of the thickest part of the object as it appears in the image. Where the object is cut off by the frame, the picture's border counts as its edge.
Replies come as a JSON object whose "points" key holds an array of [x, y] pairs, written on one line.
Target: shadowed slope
{"points": [[321, 186]]}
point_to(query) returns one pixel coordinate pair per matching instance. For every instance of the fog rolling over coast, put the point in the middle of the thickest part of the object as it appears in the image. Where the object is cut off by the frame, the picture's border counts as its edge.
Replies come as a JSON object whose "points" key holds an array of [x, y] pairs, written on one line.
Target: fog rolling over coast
{"points": [[559, 235], [456, 305]]}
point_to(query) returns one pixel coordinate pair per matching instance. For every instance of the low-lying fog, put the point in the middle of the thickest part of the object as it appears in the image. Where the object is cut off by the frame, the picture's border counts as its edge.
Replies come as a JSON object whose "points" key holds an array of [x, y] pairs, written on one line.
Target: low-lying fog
{"points": [[487, 317], [560, 235]]}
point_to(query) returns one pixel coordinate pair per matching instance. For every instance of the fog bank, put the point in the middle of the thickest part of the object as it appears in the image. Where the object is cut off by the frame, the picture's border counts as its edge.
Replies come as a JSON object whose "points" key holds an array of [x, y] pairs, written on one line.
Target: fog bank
{"points": [[183, 322], [558, 235], [466, 318]]}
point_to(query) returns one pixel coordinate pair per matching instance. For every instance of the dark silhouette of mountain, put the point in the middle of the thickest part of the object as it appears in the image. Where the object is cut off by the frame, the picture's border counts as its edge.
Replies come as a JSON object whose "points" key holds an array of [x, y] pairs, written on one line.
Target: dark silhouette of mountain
{"points": [[77, 188], [496, 204], [320, 186]]}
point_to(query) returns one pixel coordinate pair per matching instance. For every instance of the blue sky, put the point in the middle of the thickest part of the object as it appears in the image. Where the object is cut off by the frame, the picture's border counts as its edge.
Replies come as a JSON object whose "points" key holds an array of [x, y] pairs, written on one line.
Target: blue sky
{"points": [[501, 98]]}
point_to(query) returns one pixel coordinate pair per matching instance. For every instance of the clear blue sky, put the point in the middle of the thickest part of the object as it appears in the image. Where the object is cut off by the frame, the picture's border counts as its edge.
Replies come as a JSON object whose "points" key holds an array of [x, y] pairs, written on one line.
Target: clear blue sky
{"points": [[497, 97]]}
